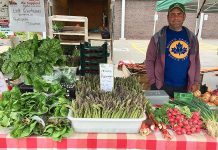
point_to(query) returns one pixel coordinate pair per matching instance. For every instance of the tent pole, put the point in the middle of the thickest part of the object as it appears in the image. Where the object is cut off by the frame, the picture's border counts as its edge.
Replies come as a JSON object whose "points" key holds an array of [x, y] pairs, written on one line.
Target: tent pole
{"points": [[123, 11], [201, 25], [155, 21], [197, 19]]}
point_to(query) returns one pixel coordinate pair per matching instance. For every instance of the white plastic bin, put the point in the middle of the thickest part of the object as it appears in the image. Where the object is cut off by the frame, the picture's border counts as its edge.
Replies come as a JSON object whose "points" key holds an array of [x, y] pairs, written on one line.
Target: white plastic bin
{"points": [[106, 125]]}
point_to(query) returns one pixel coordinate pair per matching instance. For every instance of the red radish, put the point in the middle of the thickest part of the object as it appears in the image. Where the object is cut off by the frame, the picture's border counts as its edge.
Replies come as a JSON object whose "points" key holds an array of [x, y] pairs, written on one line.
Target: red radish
{"points": [[195, 121], [199, 123], [171, 119], [180, 124], [193, 129], [198, 130], [179, 128], [178, 132], [183, 131], [178, 118], [187, 127], [189, 133], [175, 109], [183, 125], [10, 87], [169, 114], [185, 122]]}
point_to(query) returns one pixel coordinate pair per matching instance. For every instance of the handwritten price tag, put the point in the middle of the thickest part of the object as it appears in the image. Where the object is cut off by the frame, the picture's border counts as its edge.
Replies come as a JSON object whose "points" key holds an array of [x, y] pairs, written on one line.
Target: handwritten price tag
{"points": [[106, 77]]}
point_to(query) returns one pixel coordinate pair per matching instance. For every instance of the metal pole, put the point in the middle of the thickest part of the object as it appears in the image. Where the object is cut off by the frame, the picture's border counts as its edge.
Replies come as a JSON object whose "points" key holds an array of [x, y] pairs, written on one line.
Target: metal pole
{"points": [[197, 19], [123, 20], [201, 25], [155, 21]]}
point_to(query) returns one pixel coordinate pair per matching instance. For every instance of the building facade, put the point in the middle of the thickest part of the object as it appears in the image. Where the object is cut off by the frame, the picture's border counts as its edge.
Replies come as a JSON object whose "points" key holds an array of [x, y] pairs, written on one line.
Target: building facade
{"points": [[139, 21]]}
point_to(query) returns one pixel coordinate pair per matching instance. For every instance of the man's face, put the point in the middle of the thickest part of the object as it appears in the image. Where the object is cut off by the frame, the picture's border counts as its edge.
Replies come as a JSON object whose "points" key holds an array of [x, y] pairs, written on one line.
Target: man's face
{"points": [[176, 17]]}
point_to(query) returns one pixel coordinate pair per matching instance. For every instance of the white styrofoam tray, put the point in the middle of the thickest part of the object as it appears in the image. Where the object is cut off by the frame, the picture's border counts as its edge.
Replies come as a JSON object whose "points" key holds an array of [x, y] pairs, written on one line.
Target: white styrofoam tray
{"points": [[106, 125]]}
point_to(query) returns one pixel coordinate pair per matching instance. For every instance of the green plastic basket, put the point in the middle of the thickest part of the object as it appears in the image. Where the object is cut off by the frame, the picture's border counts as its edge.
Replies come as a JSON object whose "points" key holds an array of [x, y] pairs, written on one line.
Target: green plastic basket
{"points": [[188, 97]]}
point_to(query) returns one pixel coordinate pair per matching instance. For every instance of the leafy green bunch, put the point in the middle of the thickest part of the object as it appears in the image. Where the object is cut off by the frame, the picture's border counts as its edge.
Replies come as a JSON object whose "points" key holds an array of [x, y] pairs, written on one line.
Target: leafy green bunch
{"points": [[32, 58], [34, 113]]}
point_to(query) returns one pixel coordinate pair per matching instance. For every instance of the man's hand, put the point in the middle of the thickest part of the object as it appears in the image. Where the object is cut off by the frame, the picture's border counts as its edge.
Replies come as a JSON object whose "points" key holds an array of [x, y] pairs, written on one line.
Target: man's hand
{"points": [[195, 87]]}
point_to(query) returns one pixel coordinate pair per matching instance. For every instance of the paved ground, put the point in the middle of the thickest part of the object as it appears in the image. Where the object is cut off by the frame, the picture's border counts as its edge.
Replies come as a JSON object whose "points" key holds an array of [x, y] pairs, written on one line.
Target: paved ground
{"points": [[135, 51]]}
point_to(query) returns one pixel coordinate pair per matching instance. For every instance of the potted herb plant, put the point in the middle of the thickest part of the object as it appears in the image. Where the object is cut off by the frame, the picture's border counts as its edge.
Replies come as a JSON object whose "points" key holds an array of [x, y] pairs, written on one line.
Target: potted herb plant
{"points": [[58, 26]]}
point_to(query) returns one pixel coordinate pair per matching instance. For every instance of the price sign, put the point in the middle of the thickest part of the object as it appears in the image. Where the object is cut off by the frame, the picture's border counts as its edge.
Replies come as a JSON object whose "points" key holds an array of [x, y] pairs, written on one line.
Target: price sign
{"points": [[27, 15], [4, 15], [106, 77]]}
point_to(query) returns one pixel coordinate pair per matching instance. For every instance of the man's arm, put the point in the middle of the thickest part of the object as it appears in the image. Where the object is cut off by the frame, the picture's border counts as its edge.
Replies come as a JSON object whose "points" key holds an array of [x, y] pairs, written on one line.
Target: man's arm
{"points": [[196, 84], [150, 61]]}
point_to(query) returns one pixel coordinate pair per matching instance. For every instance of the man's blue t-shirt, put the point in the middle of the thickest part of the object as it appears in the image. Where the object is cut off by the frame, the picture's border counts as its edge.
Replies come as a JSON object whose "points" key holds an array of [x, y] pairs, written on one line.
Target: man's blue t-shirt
{"points": [[177, 58]]}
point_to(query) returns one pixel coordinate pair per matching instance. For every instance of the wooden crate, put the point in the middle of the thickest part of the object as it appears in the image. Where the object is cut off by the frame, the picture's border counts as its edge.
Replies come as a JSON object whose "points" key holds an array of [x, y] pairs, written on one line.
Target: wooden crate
{"points": [[142, 78]]}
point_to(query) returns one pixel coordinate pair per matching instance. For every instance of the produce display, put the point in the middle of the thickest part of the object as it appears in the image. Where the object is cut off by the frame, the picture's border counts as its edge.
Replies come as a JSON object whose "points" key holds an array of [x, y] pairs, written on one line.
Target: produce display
{"points": [[209, 97], [136, 68], [65, 75], [125, 101], [42, 112], [183, 116], [152, 122], [31, 59], [179, 118], [209, 117]]}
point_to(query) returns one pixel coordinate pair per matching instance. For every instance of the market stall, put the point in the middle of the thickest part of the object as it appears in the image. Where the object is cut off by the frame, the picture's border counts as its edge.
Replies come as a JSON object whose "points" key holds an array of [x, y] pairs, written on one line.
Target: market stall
{"points": [[107, 119], [47, 103]]}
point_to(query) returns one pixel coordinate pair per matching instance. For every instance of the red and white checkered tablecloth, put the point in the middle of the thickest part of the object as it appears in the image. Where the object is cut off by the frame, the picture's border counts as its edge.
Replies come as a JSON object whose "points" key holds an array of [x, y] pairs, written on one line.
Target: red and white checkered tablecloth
{"points": [[154, 141]]}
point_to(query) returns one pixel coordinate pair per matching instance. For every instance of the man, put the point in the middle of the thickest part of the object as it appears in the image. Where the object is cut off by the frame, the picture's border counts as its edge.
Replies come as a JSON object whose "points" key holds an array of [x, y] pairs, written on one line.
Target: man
{"points": [[172, 58]]}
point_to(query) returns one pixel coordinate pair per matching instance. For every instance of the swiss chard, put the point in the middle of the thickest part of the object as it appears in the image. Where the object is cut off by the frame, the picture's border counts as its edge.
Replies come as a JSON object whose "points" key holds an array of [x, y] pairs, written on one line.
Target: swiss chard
{"points": [[31, 58]]}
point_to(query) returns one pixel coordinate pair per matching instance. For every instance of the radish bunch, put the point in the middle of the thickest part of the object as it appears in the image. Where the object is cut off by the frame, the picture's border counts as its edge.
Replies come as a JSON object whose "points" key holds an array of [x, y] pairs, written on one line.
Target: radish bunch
{"points": [[181, 124]]}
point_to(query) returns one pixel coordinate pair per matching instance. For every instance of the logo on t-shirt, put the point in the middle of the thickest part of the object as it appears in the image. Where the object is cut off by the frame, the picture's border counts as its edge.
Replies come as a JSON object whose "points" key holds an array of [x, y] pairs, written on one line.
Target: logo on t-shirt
{"points": [[179, 49]]}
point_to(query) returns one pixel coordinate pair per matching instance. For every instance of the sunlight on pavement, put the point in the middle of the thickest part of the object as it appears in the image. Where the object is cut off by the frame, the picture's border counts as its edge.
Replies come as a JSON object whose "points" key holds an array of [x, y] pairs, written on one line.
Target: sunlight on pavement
{"points": [[207, 46], [139, 46]]}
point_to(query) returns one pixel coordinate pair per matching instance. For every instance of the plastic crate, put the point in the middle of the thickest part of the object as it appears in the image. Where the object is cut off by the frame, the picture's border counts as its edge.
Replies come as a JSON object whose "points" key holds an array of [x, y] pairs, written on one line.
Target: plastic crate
{"points": [[91, 57], [86, 50], [89, 71], [188, 97]]}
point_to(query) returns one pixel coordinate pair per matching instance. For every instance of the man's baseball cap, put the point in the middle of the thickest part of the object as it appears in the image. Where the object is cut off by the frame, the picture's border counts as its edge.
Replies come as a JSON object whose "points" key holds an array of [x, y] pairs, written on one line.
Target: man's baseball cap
{"points": [[177, 5]]}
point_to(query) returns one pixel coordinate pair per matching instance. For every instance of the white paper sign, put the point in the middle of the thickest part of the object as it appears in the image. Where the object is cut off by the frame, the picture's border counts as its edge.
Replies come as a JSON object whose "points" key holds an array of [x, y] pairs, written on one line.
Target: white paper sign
{"points": [[27, 15], [3, 84], [4, 15], [106, 77]]}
